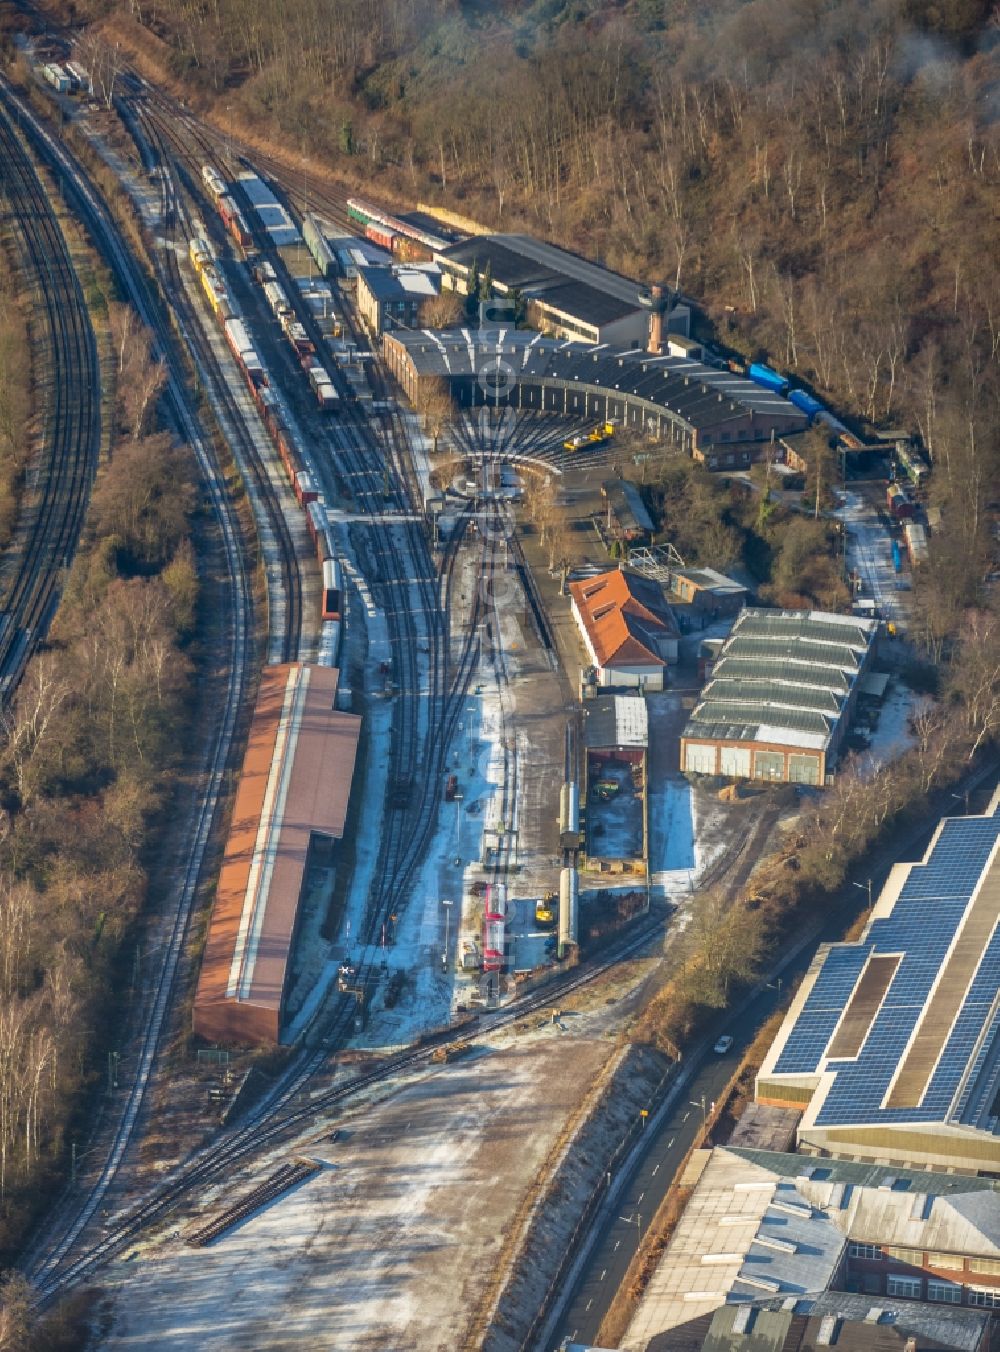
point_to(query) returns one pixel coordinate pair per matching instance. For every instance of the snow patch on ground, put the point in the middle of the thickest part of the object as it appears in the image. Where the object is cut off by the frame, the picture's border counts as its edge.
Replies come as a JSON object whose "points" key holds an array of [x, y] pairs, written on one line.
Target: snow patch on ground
{"points": [[892, 734]]}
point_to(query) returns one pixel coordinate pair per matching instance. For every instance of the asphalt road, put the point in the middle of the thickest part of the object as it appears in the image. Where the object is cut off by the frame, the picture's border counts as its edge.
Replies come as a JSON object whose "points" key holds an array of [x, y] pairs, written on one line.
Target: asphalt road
{"points": [[639, 1202], [617, 1244]]}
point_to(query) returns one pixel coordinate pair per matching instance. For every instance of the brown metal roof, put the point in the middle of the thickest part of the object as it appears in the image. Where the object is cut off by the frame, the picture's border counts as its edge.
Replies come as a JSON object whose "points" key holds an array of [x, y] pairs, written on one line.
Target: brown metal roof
{"points": [[296, 781]]}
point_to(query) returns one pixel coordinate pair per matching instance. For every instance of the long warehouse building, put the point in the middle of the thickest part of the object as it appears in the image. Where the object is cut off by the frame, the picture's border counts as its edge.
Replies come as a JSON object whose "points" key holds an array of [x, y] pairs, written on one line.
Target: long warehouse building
{"points": [[291, 806], [686, 403]]}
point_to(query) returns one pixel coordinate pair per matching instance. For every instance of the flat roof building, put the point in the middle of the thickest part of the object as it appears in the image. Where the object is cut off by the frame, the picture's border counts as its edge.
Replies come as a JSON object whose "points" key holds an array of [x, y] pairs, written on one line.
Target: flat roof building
{"points": [[781, 696], [891, 1047], [391, 298], [709, 590], [684, 403], [627, 627], [570, 296], [294, 788]]}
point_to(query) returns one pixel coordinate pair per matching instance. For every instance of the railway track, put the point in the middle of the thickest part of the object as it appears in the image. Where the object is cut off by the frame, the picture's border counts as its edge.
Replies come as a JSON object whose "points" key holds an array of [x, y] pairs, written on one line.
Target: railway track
{"points": [[73, 1215], [236, 1150], [178, 228], [70, 411], [373, 452]]}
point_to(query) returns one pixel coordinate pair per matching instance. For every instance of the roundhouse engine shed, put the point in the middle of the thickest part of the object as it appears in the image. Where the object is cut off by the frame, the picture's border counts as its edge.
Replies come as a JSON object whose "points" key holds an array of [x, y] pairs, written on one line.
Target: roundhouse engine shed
{"points": [[291, 805], [671, 398]]}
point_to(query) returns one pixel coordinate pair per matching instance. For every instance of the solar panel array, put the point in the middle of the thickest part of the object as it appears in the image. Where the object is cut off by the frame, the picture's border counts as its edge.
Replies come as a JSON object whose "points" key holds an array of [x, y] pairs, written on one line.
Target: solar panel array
{"points": [[922, 927]]}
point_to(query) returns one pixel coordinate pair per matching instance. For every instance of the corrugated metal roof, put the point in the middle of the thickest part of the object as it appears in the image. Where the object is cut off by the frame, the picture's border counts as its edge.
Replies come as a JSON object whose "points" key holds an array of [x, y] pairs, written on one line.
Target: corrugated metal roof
{"points": [[782, 677], [295, 781]]}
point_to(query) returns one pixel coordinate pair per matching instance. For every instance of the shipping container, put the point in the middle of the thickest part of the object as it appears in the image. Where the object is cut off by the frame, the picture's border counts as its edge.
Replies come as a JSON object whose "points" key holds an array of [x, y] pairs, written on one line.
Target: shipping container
{"points": [[897, 557], [81, 75], [770, 380]]}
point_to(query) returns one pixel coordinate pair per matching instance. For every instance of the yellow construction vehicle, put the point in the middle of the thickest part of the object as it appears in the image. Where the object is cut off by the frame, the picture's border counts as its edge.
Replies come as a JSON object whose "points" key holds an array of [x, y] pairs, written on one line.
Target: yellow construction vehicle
{"points": [[544, 914], [597, 436]]}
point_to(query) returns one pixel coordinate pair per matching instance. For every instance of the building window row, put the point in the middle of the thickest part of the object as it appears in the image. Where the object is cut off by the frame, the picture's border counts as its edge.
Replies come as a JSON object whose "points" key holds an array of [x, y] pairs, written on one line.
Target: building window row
{"points": [[902, 1286], [987, 1300], [862, 1250]]}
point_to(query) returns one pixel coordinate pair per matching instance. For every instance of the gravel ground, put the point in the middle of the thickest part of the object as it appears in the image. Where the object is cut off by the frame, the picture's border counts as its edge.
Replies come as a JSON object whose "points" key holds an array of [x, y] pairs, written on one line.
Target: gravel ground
{"points": [[389, 1245]]}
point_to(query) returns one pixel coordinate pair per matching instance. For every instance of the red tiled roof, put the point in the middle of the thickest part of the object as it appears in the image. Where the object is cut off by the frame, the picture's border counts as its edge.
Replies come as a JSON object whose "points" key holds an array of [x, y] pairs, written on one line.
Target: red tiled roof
{"points": [[623, 615]]}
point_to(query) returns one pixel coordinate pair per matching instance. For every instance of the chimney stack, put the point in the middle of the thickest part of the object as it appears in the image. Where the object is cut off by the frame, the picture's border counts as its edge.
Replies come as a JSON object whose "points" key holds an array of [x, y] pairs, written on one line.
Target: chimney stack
{"points": [[656, 320]]}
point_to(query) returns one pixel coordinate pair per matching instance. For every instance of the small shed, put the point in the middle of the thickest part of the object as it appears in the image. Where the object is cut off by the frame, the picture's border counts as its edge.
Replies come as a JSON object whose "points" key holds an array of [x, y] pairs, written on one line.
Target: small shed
{"points": [[708, 590], [627, 515]]}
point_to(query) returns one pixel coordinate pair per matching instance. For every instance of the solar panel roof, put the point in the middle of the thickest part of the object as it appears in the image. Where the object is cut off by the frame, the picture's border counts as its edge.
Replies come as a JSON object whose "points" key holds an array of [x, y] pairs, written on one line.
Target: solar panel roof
{"points": [[931, 911]]}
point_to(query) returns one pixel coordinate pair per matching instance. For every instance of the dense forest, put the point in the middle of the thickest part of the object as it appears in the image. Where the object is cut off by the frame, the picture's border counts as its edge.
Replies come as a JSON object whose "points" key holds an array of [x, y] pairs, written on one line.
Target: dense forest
{"points": [[819, 175]]}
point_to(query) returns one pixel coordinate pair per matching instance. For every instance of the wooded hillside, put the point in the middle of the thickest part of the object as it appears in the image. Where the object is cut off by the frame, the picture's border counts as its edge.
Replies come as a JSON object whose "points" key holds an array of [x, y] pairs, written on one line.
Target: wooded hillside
{"points": [[820, 175]]}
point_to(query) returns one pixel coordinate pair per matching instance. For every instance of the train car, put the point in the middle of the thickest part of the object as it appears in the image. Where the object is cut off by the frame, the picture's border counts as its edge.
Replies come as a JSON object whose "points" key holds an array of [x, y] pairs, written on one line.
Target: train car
{"points": [[237, 337], [55, 76], [410, 250], [305, 488], [239, 230], [316, 523], [331, 590], [225, 207], [899, 503], [766, 377], [357, 211], [380, 234], [315, 241], [81, 75], [213, 182], [264, 272], [253, 368], [276, 299], [200, 254], [327, 397], [916, 543], [218, 297], [329, 643], [914, 466], [810, 406]]}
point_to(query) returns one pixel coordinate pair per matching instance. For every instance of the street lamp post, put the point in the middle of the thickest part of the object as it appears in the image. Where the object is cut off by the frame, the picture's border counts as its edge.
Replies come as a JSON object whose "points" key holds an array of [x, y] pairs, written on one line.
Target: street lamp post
{"points": [[962, 798], [865, 886], [700, 1103]]}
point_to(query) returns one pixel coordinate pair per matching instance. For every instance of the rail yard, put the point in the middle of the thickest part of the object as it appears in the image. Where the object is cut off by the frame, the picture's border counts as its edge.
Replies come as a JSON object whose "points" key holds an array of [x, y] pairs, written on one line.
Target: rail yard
{"points": [[470, 886]]}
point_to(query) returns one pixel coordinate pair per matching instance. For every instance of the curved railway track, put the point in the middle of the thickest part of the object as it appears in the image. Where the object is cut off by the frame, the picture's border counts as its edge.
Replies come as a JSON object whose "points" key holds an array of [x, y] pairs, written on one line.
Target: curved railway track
{"points": [[372, 453], [70, 412], [74, 1214]]}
